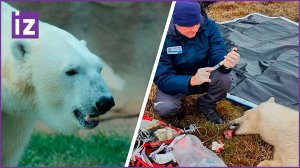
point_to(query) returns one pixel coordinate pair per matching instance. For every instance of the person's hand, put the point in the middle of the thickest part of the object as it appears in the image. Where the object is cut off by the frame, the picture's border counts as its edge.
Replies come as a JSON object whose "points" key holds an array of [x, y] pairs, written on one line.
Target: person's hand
{"points": [[232, 58], [201, 76]]}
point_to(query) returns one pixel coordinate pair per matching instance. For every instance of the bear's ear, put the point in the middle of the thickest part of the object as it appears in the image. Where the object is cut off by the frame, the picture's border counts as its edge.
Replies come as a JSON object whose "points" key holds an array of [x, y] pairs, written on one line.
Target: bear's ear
{"points": [[83, 42], [271, 99], [20, 49]]}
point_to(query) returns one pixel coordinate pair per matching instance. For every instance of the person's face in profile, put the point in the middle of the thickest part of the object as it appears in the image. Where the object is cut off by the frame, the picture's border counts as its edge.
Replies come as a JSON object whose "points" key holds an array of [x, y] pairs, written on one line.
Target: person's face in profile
{"points": [[188, 32]]}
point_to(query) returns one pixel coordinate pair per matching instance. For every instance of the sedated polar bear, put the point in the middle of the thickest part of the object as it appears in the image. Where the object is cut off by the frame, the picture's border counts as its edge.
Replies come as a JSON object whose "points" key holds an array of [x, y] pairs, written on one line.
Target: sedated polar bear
{"points": [[277, 125], [54, 78]]}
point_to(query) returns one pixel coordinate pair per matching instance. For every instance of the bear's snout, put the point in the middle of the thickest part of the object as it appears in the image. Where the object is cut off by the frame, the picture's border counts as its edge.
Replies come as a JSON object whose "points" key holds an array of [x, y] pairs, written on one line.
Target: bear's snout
{"points": [[104, 104], [234, 125]]}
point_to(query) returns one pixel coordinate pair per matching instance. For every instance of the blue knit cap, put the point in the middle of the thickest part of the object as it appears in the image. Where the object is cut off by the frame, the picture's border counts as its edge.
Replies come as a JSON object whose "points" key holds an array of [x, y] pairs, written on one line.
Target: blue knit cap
{"points": [[186, 13]]}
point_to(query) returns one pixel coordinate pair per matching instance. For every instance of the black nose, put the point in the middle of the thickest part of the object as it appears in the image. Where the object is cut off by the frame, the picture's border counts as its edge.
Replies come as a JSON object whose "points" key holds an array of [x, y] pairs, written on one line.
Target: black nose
{"points": [[233, 125], [104, 104]]}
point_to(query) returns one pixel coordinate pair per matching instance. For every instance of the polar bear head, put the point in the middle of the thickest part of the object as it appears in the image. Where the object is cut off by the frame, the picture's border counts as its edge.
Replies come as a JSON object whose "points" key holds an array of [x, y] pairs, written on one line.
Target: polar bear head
{"points": [[249, 123], [65, 80]]}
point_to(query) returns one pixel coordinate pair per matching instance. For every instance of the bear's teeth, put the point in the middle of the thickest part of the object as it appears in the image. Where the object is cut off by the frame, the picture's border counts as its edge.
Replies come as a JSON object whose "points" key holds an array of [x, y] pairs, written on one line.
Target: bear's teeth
{"points": [[95, 118], [87, 118]]}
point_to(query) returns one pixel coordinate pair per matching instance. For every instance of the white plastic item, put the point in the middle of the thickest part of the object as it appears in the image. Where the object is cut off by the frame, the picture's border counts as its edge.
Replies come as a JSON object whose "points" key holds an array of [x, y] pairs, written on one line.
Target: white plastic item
{"points": [[163, 158], [189, 152]]}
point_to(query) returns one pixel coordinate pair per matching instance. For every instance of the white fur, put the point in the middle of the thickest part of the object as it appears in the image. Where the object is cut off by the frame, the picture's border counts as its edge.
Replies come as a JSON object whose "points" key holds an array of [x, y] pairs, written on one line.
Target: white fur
{"points": [[277, 125], [35, 85]]}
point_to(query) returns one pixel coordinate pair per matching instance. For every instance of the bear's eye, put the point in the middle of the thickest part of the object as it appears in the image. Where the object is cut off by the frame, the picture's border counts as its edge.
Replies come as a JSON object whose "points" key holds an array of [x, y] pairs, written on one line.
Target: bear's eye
{"points": [[71, 72]]}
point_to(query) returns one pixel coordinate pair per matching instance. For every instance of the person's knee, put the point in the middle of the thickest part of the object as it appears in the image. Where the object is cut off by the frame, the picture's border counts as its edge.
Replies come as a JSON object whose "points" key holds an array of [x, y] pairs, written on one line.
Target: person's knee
{"points": [[224, 81], [166, 109]]}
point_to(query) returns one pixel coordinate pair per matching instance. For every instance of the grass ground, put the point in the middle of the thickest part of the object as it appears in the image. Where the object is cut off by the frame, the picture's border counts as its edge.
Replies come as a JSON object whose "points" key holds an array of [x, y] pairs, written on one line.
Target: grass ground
{"points": [[223, 11], [246, 150], [60, 150]]}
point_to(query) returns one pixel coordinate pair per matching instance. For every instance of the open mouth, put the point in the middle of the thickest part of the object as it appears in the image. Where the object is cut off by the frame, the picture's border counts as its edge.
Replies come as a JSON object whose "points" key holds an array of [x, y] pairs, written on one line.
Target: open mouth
{"points": [[87, 121]]}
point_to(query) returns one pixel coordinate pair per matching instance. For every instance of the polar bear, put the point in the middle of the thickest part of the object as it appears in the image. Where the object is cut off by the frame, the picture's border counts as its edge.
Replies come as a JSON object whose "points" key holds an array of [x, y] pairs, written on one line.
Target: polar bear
{"points": [[277, 125], [55, 79]]}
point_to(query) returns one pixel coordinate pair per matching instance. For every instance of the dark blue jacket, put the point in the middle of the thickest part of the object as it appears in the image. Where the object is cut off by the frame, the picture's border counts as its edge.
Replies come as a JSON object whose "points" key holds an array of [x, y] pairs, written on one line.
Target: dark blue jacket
{"points": [[206, 49]]}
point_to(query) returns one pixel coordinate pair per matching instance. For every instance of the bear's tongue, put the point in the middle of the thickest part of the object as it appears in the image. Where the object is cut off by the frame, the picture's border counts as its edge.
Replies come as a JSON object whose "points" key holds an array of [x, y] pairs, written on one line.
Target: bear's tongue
{"points": [[90, 118], [228, 134]]}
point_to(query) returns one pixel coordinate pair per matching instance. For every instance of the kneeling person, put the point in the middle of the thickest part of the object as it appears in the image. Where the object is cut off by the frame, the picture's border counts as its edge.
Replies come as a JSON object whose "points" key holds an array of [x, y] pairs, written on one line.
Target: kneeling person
{"points": [[192, 47]]}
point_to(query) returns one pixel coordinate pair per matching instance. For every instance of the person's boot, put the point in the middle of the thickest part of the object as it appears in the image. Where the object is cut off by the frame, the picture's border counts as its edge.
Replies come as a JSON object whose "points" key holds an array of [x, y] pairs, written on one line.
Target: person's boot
{"points": [[181, 114], [208, 110], [211, 115], [217, 90]]}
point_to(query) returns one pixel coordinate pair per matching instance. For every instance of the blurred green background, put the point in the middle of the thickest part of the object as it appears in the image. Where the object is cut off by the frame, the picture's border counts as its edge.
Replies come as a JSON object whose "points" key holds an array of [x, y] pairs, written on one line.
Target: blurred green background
{"points": [[56, 149]]}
